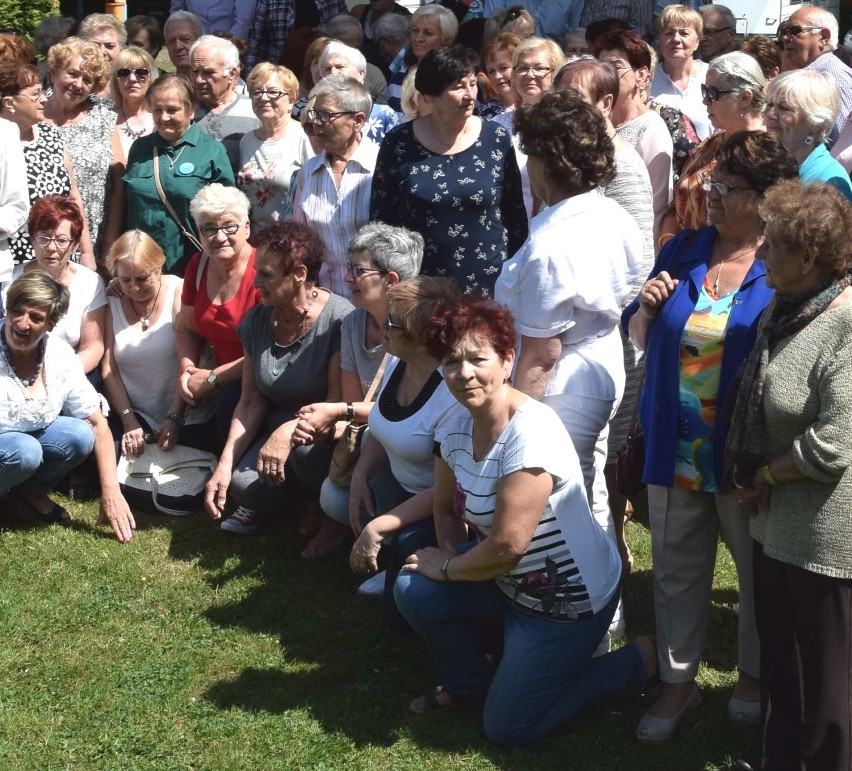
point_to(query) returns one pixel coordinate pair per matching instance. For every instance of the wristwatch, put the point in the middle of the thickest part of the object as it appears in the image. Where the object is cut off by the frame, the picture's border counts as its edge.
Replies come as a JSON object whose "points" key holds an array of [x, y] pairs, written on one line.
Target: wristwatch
{"points": [[213, 379]]}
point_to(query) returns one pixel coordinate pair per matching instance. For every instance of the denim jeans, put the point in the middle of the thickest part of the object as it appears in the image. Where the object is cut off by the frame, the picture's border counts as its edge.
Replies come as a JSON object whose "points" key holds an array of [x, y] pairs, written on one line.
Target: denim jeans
{"points": [[547, 674], [39, 459]]}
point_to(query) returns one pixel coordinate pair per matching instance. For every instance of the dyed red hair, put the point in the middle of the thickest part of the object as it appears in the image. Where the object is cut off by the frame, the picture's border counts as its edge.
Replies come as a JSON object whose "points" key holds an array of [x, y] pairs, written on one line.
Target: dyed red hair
{"points": [[291, 244], [47, 213], [479, 317]]}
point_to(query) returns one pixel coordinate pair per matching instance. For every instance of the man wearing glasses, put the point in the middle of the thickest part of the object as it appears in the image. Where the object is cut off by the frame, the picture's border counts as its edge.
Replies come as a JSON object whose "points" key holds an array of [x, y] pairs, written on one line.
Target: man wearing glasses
{"points": [[720, 26], [808, 39]]}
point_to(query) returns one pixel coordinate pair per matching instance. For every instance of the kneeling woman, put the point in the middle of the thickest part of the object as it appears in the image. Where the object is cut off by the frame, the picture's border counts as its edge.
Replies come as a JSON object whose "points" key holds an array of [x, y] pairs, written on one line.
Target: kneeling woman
{"points": [[541, 565], [40, 377]]}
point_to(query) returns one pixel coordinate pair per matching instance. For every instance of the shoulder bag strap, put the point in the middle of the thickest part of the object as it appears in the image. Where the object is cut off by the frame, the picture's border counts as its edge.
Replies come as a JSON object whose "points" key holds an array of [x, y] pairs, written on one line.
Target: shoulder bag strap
{"points": [[371, 391], [186, 234], [201, 263]]}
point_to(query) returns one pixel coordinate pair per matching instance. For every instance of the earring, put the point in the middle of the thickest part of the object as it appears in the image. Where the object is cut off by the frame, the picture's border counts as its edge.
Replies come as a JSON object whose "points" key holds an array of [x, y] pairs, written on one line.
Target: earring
{"points": [[809, 141]]}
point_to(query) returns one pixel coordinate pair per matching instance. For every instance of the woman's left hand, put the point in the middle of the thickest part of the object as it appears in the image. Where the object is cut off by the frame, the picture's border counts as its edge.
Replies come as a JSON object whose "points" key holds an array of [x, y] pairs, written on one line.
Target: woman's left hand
{"points": [[362, 558], [113, 288], [116, 513], [754, 498], [272, 457], [168, 435], [429, 562]]}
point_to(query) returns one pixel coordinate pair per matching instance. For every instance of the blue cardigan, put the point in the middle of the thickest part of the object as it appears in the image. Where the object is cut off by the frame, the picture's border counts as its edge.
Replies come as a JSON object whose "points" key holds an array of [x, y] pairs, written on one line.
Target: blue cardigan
{"points": [[659, 402]]}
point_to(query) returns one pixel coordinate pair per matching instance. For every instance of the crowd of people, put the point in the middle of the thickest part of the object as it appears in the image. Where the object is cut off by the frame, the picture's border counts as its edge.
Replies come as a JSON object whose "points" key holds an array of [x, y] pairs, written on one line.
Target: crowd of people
{"points": [[470, 252]]}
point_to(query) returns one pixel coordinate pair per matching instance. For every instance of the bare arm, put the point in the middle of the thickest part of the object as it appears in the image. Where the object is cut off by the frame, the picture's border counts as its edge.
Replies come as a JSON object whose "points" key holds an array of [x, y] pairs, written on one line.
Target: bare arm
{"points": [[90, 349], [450, 530], [113, 509], [535, 364]]}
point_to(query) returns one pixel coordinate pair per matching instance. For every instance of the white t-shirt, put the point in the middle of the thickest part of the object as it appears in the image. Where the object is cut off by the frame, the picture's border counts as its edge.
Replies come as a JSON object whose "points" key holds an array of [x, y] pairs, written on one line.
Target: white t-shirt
{"points": [[567, 542], [570, 280], [689, 101], [14, 193], [409, 433]]}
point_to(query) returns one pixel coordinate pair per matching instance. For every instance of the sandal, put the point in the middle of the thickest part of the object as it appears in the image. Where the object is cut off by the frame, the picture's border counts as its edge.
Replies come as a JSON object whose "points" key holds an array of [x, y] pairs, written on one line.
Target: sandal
{"points": [[56, 516], [329, 538], [428, 702]]}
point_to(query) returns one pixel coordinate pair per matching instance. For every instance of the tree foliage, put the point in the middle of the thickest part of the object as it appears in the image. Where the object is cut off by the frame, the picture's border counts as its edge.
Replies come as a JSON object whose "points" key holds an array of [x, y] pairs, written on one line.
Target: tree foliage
{"points": [[24, 16]]}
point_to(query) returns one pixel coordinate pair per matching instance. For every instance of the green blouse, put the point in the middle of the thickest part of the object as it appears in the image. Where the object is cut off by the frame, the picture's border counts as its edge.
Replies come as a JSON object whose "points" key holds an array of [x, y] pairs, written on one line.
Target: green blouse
{"points": [[190, 164]]}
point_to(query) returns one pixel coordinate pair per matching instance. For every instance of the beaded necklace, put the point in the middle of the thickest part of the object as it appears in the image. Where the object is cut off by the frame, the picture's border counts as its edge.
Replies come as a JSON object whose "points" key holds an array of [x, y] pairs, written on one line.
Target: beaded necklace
{"points": [[7, 353]]}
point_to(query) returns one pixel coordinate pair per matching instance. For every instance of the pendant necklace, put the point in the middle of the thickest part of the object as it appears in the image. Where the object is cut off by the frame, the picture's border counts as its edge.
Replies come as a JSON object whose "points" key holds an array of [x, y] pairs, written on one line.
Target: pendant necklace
{"points": [[173, 161], [277, 367], [145, 320], [735, 256], [7, 353], [129, 130]]}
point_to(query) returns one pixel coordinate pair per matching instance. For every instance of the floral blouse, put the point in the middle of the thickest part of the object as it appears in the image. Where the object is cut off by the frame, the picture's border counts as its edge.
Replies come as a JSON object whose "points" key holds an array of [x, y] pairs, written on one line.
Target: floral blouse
{"points": [[468, 206], [684, 136]]}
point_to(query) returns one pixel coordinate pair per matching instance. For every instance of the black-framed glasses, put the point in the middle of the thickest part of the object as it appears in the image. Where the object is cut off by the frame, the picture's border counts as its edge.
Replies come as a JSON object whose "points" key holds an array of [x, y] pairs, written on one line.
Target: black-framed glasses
{"points": [[356, 271], [721, 188], [62, 242], [714, 93], [324, 116], [708, 31], [34, 98], [794, 30], [513, 14], [210, 231], [273, 94], [539, 71], [140, 73]]}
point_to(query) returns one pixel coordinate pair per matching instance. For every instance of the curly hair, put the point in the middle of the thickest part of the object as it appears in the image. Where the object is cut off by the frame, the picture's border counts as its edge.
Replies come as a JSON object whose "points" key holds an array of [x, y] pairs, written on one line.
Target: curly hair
{"points": [[450, 323], [580, 159], [14, 48], [811, 217], [92, 62], [758, 157], [291, 244], [47, 213]]}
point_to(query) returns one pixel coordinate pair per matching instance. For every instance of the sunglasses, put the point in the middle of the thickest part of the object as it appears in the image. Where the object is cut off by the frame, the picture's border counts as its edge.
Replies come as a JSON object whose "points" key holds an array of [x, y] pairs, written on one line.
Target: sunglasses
{"points": [[794, 30], [708, 31], [391, 324], [141, 73], [713, 93]]}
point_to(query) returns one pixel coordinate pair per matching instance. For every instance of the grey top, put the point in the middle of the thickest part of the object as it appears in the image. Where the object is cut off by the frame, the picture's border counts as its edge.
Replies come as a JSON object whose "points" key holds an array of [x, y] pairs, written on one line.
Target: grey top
{"points": [[228, 126], [807, 405], [291, 376], [354, 355]]}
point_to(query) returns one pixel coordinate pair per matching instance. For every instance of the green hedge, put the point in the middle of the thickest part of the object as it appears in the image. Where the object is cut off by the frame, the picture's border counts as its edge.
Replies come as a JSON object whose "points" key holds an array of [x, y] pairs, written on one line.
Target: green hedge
{"points": [[25, 15]]}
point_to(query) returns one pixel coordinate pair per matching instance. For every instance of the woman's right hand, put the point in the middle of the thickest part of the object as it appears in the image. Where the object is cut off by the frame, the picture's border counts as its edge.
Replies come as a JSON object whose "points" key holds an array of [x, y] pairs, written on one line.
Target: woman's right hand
{"points": [[216, 490], [194, 385], [360, 500], [133, 441], [655, 292], [365, 551]]}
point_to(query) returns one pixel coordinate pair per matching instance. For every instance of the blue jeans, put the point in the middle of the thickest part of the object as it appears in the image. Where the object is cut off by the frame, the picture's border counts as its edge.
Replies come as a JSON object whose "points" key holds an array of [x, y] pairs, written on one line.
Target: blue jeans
{"points": [[39, 459], [547, 674]]}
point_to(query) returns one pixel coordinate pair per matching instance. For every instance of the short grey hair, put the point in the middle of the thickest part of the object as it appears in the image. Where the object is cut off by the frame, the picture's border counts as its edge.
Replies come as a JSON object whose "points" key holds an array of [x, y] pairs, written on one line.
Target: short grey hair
{"points": [[95, 22], [815, 93], [393, 27], [390, 248], [187, 16], [350, 95], [215, 199], [225, 48], [352, 55], [823, 18], [725, 14], [447, 21], [741, 72]]}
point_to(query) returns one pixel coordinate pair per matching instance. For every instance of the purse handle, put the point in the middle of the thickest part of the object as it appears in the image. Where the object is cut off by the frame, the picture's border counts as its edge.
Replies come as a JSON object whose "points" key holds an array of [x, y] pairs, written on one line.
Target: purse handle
{"points": [[186, 234]]}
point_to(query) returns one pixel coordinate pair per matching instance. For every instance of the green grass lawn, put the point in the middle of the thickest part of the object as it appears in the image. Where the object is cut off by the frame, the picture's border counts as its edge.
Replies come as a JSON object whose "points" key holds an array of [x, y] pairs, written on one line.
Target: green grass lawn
{"points": [[192, 649]]}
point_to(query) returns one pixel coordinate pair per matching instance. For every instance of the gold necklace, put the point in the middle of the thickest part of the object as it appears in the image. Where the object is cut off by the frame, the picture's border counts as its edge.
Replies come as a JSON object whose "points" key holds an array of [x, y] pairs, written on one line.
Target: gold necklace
{"points": [[734, 256]]}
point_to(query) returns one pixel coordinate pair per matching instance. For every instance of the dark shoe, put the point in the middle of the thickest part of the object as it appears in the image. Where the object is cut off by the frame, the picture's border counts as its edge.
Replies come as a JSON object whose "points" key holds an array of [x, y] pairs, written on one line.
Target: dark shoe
{"points": [[56, 516], [428, 702]]}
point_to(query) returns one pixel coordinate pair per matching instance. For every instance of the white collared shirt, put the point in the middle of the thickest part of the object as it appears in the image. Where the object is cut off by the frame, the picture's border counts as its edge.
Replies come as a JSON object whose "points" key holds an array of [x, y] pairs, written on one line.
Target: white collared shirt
{"points": [[689, 100]]}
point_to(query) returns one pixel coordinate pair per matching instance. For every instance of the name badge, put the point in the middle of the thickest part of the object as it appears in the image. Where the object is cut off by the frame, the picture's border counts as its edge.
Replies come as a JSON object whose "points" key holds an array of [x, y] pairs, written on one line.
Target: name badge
{"points": [[186, 168]]}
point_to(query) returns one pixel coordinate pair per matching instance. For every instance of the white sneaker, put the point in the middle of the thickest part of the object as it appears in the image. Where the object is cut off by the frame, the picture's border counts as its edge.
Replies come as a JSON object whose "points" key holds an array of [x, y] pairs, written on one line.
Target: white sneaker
{"points": [[374, 585], [604, 646], [242, 522]]}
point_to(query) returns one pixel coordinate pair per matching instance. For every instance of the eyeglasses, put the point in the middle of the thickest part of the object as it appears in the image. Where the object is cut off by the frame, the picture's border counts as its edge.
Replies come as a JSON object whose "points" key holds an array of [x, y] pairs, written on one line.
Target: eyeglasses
{"points": [[210, 231], [34, 98], [273, 94], [324, 116], [708, 31], [538, 72], [794, 30], [721, 188], [391, 324], [62, 242], [140, 73], [357, 271], [713, 93]]}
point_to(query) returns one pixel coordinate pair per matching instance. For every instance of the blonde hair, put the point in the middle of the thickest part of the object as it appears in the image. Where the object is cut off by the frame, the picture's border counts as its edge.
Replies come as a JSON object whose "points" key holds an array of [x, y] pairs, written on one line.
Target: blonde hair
{"points": [[531, 44], [131, 57], [815, 93], [680, 14], [135, 247], [410, 95], [264, 71], [95, 22], [92, 62]]}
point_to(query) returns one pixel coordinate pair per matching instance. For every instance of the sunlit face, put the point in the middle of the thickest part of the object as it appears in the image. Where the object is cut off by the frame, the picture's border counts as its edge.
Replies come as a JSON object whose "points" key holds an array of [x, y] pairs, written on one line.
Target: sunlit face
{"points": [[800, 50], [784, 267], [739, 204], [425, 35], [678, 41], [340, 65], [498, 68], [213, 82], [71, 85], [788, 122], [533, 75], [180, 36], [340, 132], [137, 282], [25, 326], [264, 105], [135, 85], [218, 242], [458, 100], [171, 114], [726, 113], [29, 106], [53, 256], [107, 41], [629, 80], [475, 373], [396, 340], [276, 290], [369, 288]]}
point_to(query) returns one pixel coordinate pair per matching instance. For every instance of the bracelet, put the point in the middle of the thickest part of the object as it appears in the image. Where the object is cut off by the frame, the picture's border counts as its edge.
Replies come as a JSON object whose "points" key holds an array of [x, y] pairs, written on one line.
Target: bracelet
{"points": [[125, 411], [350, 411], [444, 567], [767, 475], [176, 419]]}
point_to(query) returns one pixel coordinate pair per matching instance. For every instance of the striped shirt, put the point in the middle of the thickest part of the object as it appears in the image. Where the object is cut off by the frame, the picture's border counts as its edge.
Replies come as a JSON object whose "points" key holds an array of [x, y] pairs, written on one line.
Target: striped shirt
{"points": [[571, 567], [336, 213], [831, 64]]}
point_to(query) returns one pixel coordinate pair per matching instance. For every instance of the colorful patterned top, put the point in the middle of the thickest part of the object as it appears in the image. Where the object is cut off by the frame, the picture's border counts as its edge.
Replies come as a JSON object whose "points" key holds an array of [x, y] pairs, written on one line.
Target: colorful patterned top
{"points": [[701, 348]]}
